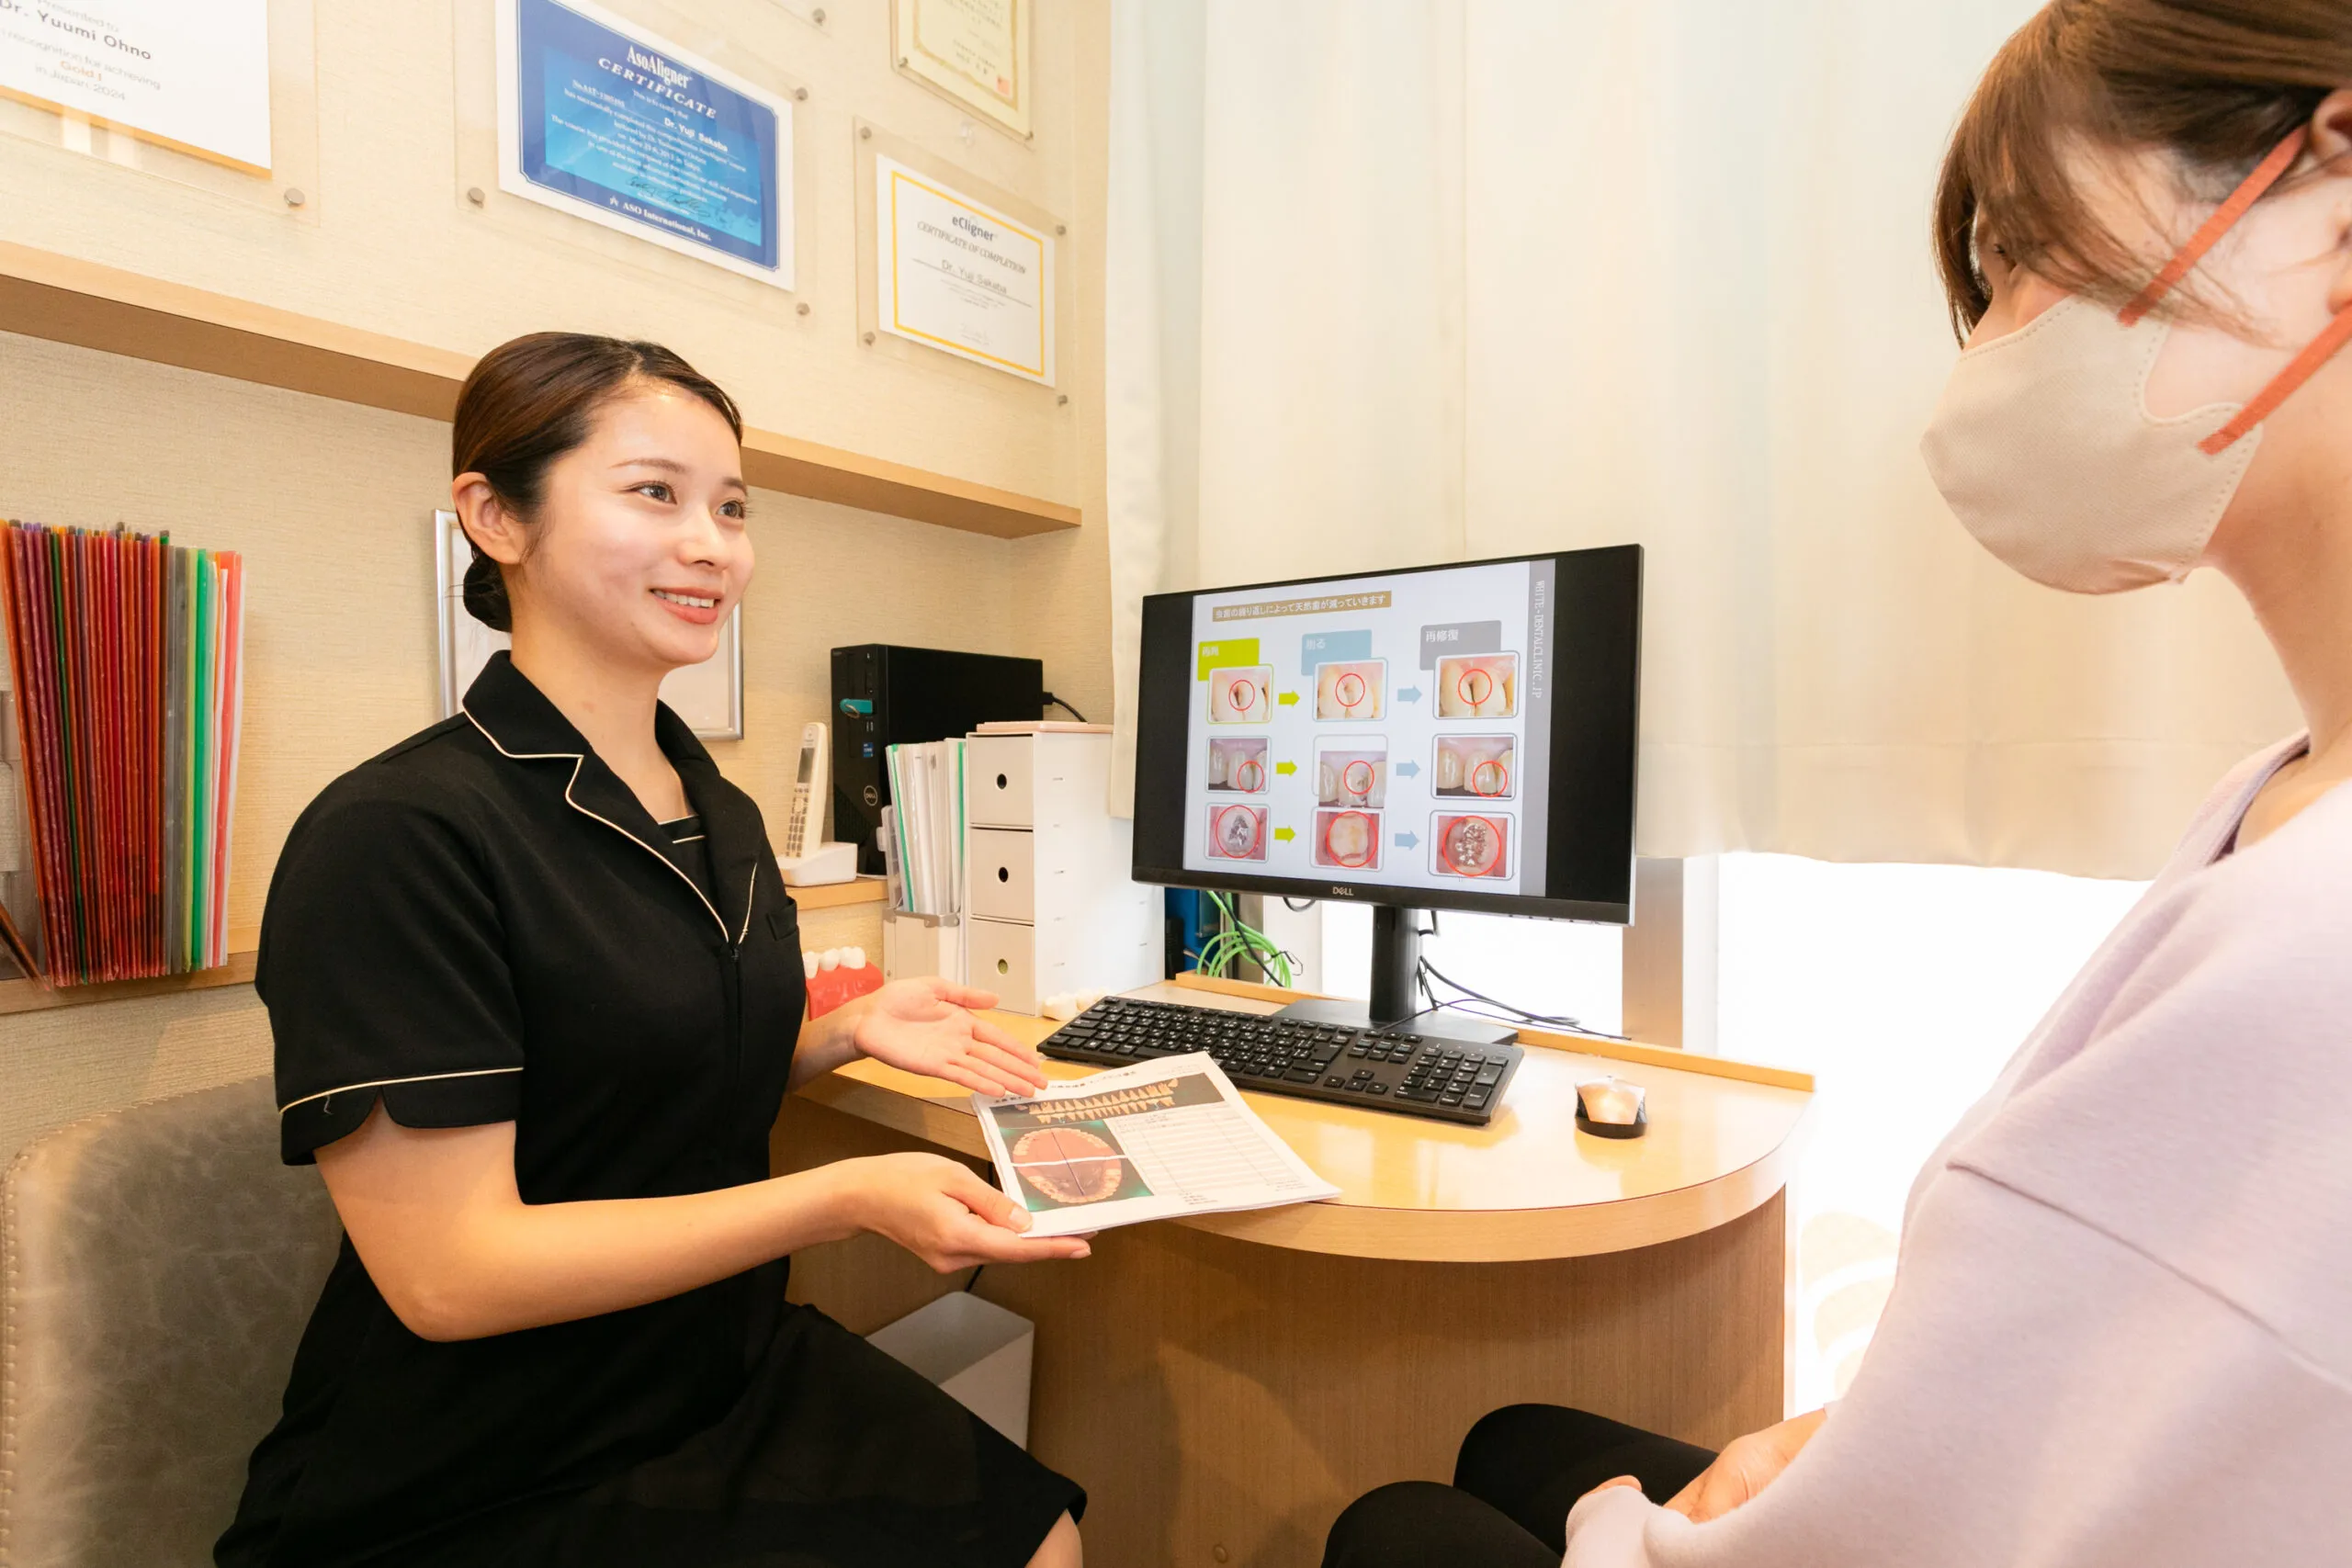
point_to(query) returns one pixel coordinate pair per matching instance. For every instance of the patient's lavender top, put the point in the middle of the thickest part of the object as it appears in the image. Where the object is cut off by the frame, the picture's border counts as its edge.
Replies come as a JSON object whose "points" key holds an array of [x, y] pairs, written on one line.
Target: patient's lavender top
{"points": [[2120, 1332]]}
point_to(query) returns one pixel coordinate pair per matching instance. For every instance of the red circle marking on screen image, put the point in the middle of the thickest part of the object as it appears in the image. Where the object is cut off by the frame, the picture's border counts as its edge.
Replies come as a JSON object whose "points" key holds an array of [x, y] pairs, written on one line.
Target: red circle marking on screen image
{"points": [[1490, 769], [1371, 840], [1242, 694], [1445, 847], [1250, 776], [1462, 686], [1249, 824], [1340, 689], [1348, 777]]}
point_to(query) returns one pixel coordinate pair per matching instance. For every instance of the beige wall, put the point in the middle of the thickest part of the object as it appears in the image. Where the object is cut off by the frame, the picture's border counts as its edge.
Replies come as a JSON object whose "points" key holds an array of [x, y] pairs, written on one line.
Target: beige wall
{"points": [[332, 502]]}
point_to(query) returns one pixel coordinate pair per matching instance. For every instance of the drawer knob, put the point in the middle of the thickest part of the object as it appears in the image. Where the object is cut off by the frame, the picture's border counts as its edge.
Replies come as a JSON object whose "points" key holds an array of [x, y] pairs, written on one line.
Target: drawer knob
{"points": [[1003, 967], [1004, 873], [1001, 783]]}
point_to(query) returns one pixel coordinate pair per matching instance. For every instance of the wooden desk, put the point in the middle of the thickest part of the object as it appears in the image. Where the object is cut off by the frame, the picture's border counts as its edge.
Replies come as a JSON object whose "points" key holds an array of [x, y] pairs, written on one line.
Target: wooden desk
{"points": [[1223, 1385]]}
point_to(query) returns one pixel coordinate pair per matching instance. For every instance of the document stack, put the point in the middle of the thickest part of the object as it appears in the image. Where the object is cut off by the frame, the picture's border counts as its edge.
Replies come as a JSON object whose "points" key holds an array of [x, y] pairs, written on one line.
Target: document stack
{"points": [[923, 846], [127, 652]]}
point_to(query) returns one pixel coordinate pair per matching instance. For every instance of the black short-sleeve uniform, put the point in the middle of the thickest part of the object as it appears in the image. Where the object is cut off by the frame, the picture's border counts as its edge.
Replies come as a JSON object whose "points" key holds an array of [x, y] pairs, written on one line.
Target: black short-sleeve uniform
{"points": [[484, 925]]}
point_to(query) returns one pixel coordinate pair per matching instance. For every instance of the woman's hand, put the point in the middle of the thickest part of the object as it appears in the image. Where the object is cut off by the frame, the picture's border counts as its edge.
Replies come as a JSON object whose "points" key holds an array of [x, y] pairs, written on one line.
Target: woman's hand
{"points": [[1745, 1467], [926, 1026], [941, 1213]]}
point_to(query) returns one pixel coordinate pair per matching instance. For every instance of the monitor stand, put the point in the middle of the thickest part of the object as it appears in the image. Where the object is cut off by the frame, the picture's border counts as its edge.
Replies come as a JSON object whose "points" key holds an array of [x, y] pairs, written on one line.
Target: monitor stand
{"points": [[1395, 963]]}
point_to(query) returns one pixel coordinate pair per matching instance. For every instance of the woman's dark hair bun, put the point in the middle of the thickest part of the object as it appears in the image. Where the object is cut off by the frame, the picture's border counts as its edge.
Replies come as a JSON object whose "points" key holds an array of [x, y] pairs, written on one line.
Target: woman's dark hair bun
{"points": [[527, 403], [485, 595]]}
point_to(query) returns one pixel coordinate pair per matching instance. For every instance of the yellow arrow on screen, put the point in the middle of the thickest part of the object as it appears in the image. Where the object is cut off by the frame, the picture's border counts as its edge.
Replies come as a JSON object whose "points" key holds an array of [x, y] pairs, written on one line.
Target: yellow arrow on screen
{"points": [[1286, 767], [1288, 699], [1284, 835]]}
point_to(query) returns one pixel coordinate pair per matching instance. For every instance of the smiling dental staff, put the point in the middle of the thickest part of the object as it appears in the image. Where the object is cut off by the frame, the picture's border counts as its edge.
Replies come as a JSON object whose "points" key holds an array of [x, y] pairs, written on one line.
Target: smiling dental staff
{"points": [[536, 987], [2120, 1333]]}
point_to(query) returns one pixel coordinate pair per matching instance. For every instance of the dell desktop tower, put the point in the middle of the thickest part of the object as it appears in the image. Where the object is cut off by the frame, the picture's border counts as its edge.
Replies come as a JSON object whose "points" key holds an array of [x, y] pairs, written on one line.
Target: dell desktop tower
{"points": [[886, 696]]}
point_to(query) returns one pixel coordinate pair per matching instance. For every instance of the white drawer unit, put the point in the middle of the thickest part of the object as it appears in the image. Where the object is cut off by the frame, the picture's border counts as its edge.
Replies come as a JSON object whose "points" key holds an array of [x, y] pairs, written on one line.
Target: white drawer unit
{"points": [[996, 781], [1001, 957], [1003, 879], [1052, 905]]}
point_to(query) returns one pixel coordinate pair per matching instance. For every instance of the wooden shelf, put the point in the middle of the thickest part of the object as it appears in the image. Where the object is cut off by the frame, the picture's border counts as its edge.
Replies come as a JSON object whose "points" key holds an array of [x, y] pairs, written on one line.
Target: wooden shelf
{"points": [[64, 299], [31, 996], [864, 890]]}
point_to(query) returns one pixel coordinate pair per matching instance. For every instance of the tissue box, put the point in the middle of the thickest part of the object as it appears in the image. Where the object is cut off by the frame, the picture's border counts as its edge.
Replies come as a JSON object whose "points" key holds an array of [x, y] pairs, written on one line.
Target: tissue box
{"points": [[976, 1351]]}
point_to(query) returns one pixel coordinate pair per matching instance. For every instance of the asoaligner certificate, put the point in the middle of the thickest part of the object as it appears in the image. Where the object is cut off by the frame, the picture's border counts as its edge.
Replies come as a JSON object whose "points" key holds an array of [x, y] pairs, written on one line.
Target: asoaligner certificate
{"points": [[186, 75], [602, 119], [961, 276]]}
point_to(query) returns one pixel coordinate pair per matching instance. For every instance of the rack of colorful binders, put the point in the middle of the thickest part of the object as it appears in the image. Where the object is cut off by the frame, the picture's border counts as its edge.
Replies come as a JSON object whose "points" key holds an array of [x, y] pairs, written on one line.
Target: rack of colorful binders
{"points": [[127, 655]]}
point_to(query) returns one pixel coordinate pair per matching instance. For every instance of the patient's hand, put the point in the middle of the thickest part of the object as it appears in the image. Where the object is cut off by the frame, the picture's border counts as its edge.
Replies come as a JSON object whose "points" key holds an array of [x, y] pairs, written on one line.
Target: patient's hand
{"points": [[1745, 1467]]}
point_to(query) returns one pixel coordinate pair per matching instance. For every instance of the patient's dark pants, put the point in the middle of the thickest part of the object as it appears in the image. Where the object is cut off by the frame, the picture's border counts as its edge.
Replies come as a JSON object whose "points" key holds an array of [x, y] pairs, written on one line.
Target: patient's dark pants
{"points": [[1521, 1470]]}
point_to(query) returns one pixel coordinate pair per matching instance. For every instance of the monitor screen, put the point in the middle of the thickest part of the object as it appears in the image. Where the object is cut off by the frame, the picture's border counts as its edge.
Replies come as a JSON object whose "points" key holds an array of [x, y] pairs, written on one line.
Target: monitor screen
{"points": [[1458, 736]]}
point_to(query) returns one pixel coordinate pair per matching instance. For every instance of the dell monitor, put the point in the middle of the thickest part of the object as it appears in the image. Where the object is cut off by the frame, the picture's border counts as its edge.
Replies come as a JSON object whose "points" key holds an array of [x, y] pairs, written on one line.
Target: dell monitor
{"points": [[1441, 738]]}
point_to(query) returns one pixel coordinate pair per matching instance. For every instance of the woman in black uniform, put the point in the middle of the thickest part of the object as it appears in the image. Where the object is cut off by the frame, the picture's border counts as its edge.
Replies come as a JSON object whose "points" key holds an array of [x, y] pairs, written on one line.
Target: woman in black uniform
{"points": [[536, 990]]}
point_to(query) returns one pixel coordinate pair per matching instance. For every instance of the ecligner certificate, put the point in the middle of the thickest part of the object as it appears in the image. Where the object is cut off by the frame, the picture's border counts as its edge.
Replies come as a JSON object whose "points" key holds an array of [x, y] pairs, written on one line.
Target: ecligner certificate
{"points": [[190, 76], [961, 276], [976, 50]]}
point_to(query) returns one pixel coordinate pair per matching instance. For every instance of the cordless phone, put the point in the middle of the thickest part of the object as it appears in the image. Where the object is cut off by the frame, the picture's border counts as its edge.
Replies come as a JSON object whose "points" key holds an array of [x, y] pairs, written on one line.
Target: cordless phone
{"points": [[804, 826], [805, 859]]}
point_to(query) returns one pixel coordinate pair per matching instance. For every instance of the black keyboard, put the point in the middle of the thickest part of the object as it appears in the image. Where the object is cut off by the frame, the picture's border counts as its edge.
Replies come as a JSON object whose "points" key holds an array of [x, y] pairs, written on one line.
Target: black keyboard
{"points": [[1384, 1069]]}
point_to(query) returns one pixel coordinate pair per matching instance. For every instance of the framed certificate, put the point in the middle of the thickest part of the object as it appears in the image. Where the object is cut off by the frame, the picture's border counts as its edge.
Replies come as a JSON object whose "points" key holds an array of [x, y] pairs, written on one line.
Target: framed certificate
{"points": [[602, 119], [190, 77], [976, 51], [709, 696], [961, 275]]}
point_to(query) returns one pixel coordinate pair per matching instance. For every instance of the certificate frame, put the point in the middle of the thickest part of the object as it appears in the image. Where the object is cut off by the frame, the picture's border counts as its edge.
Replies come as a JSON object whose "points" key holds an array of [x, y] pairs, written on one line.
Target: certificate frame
{"points": [[290, 189], [874, 145], [709, 696], [925, 36], [528, 32]]}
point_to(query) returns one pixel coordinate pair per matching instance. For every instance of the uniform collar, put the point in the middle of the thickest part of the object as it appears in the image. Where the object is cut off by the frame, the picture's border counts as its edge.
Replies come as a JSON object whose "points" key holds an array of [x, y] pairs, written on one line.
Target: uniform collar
{"points": [[517, 719]]}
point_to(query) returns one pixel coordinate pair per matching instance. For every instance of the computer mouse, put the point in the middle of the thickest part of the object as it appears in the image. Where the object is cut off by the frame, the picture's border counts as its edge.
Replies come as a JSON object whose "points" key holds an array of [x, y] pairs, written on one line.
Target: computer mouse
{"points": [[1607, 1109]]}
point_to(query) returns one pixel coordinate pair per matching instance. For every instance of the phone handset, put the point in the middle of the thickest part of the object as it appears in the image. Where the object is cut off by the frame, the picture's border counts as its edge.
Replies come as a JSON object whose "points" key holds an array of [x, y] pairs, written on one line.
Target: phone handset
{"points": [[804, 826], [805, 858]]}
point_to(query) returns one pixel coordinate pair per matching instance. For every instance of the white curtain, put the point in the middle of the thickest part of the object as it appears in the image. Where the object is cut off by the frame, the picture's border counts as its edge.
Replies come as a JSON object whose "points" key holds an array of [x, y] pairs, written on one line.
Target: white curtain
{"points": [[1403, 281]]}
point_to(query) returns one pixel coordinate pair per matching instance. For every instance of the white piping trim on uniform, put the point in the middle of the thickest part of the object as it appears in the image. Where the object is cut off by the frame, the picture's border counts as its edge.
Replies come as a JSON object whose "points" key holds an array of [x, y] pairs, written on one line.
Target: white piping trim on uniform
{"points": [[578, 760], [386, 1083], [691, 838]]}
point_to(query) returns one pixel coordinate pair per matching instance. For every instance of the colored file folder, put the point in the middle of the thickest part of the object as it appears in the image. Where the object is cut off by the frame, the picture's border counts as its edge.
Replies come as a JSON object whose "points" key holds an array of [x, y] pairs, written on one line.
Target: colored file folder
{"points": [[127, 651]]}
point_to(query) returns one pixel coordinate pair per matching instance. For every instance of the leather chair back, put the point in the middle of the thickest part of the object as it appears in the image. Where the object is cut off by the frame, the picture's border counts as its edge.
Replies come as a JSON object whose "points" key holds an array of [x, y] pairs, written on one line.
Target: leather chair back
{"points": [[157, 1265]]}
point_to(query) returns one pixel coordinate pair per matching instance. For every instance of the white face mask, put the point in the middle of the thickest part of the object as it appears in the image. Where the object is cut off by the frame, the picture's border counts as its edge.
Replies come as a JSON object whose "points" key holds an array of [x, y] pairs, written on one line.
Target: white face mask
{"points": [[2043, 446]]}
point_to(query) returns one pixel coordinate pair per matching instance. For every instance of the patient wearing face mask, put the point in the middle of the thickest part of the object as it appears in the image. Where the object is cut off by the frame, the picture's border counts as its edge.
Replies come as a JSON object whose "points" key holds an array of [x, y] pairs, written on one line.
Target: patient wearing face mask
{"points": [[2120, 1333]]}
